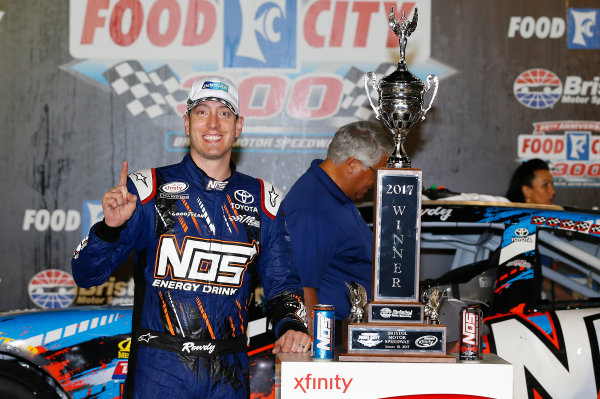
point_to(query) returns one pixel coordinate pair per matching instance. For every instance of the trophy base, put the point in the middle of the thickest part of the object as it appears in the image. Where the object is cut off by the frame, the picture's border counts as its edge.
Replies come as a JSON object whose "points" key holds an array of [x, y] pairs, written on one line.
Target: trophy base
{"points": [[352, 357], [363, 341]]}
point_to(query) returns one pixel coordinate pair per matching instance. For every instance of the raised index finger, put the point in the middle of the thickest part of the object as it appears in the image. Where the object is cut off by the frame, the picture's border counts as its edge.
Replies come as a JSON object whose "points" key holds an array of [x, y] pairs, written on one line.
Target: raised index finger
{"points": [[123, 176]]}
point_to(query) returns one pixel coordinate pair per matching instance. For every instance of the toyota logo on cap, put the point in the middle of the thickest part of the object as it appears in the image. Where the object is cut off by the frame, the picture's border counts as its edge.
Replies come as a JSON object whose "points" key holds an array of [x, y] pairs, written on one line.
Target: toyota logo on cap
{"points": [[243, 196], [521, 232]]}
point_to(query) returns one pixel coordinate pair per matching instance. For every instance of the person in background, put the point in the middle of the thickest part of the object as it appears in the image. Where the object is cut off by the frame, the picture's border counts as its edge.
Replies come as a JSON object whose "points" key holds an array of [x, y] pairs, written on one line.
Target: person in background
{"points": [[331, 242], [200, 231], [532, 183]]}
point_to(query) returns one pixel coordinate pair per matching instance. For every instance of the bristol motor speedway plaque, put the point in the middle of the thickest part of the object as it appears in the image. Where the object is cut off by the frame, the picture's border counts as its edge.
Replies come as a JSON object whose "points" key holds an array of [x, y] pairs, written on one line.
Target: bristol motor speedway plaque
{"points": [[394, 339]]}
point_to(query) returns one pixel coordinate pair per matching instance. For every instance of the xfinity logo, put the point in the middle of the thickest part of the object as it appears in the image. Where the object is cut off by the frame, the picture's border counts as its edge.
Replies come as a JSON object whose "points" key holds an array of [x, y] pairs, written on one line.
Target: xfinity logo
{"points": [[243, 196], [309, 382], [174, 187]]}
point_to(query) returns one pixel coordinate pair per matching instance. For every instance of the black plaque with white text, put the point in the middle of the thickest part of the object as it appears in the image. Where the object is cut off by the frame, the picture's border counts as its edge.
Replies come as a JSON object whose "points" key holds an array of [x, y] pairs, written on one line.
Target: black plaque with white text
{"points": [[397, 223]]}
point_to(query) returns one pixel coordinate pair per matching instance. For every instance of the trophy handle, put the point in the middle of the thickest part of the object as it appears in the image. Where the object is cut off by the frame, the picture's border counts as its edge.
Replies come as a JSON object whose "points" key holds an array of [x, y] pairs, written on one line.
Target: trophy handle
{"points": [[432, 80], [371, 77]]}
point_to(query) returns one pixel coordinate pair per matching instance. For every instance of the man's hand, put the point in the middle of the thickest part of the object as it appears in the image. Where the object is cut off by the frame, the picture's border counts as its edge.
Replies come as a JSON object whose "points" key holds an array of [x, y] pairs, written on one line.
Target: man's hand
{"points": [[292, 341], [118, 204]]}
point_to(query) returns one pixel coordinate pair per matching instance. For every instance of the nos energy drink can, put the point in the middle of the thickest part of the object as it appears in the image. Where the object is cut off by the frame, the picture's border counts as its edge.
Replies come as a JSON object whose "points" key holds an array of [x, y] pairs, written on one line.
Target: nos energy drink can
{"points": [[324, 319], [470, 333]]}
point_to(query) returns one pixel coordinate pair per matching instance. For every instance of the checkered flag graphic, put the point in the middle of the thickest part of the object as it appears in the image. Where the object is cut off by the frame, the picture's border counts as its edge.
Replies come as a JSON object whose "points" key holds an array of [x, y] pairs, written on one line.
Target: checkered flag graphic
{"points": [[553, 222], [154, 93], [168, 86], [538, 220], [567, 224], [582, 226], [354, 99], [595, 229]]}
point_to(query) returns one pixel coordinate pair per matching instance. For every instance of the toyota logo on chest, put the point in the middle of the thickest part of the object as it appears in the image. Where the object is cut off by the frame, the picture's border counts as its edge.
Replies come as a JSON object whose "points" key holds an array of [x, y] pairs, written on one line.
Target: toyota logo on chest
{"points": [[243, 197]]}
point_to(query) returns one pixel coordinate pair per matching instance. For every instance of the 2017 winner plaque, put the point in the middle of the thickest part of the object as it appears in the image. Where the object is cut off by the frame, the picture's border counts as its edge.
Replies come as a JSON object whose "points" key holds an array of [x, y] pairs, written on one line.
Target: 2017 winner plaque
{"points": [[397, 225]]}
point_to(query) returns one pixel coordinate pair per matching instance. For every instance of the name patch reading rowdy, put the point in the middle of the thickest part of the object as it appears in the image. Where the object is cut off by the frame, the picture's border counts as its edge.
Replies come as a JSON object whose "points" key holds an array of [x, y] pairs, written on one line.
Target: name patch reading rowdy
{"points": [[202, 261]]}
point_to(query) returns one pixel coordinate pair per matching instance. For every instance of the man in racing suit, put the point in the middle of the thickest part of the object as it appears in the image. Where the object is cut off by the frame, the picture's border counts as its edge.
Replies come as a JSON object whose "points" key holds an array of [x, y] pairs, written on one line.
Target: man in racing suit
{"points": [[200, 231]]}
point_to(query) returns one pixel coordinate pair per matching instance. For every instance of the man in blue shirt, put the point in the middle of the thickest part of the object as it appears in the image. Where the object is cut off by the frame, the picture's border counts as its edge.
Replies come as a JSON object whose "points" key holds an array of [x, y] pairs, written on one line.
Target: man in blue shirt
{"points": [[330, 240]]}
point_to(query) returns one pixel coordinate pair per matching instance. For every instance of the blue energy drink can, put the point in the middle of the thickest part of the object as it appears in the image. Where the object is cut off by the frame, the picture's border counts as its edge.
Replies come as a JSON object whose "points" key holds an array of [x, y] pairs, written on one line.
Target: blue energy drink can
{"points": [[324, 320]]}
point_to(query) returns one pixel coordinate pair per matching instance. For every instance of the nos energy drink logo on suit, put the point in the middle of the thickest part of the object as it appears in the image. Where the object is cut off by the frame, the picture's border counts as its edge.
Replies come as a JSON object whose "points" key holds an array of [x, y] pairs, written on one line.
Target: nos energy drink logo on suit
{"points": [[260, 34]]}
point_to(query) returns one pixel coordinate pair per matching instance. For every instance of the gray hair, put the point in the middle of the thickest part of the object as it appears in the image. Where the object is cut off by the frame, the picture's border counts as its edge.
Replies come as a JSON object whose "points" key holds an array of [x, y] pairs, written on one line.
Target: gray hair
{"points": [[365, 141]]}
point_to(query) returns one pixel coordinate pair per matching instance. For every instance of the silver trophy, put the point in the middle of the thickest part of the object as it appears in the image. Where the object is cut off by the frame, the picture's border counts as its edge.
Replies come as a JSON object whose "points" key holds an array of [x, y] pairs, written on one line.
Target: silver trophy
{"points": [[401, 94]]}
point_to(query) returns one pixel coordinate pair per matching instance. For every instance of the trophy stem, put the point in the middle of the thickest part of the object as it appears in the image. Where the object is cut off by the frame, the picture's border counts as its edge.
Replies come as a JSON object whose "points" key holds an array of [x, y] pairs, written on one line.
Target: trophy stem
{"points": [[399, 158]]}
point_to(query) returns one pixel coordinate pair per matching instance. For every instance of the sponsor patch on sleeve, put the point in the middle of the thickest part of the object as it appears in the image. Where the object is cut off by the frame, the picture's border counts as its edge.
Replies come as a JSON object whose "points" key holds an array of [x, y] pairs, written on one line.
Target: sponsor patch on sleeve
{"points": [[145, 183], [271, 197]]}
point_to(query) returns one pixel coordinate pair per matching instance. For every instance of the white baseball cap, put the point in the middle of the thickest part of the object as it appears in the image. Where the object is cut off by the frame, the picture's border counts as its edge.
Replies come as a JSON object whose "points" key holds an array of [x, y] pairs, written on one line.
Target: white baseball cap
{"points": [[214, 88]]}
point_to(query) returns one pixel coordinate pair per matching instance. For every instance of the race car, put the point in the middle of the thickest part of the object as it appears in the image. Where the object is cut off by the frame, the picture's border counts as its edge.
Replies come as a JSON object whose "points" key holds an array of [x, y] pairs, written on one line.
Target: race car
{"points": [[534, 271], [82, 352]]}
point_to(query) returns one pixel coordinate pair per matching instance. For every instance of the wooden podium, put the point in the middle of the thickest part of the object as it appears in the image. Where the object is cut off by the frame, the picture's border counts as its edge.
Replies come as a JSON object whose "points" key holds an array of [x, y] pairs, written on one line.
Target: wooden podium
{"points": [[395, 328]]}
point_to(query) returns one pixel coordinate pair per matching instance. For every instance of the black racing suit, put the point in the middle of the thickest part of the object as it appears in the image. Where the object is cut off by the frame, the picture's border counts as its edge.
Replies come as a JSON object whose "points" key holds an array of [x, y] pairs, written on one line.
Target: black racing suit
{"points": [[198, 243]]}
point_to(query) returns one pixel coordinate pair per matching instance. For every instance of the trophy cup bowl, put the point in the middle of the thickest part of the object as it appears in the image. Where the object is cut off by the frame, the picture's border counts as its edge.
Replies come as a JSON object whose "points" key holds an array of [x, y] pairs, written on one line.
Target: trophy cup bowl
{"points": [[401, 95]]}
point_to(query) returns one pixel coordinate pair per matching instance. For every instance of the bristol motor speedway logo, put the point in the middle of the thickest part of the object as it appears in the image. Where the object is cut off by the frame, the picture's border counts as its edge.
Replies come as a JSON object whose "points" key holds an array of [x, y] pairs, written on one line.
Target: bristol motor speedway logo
{"points": [[572, 148], [299, 65], [539, 88], [52, 289]]}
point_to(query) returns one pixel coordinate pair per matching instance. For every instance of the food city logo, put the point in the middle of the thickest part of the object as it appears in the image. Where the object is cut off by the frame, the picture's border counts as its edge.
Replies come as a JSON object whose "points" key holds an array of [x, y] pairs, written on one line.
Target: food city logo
{"points": [[540, 88], [211, 266], [574, 155], [239, 34], [264, 32], [63, 220], [582, 28], [269, 48]]}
